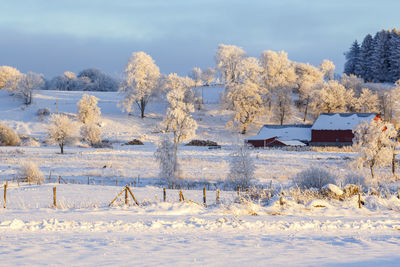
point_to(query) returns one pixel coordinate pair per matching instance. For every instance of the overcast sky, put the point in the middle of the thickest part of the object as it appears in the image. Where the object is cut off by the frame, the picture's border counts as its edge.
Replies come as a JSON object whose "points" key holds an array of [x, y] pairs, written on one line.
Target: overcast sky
{"points": [[51, 37]]}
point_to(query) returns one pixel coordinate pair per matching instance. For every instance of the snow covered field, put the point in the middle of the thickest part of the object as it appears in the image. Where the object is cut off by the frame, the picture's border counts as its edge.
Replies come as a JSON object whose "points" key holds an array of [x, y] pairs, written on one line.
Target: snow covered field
{"points": [[84, 231]]}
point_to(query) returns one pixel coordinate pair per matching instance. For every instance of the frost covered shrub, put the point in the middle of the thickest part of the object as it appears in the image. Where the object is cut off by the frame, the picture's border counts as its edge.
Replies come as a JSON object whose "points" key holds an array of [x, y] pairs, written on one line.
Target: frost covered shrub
{"points": [[314, 177], [241, 168], [30, 173], [354, 178], [8, 137], [166, 156], [88, 111], [43, 112], [91, 133]]}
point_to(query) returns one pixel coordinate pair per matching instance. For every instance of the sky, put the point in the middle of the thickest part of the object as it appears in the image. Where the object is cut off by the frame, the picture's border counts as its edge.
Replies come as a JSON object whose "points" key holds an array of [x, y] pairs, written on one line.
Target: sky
{"points": [[52, 37]]}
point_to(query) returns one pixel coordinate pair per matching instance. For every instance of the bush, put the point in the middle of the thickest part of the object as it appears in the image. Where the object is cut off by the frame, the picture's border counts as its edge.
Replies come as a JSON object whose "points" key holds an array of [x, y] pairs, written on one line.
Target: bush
{"points": [[8, 137], [241, 168], [354, 178], [91, 133], [314, 177], [43, 112], [30, 173]]}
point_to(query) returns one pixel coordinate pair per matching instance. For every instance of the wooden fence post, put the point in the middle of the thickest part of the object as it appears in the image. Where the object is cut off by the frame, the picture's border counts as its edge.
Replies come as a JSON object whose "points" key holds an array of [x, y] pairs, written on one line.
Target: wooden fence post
{"points": [[55, 197], [5, 195], [217, 201], [126, 195], [238, 191], [204, 196], [116, 181], [50, 177], [164, 194], [359, 200]]}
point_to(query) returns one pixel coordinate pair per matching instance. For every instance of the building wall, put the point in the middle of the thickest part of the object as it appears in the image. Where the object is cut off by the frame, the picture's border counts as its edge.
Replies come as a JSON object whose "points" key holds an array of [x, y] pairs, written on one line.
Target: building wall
{"points": [[332, 137], [260, 143]]}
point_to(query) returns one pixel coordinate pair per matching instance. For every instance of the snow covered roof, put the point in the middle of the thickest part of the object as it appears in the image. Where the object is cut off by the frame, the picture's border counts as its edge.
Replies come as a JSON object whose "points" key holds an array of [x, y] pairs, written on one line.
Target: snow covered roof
{"points": [[341, 121], [291, 142], [284, 132]]}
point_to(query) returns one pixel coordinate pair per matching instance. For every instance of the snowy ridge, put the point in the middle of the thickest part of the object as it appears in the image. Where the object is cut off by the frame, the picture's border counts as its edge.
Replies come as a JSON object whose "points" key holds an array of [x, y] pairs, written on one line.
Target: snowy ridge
{"points": [[205, 224]]}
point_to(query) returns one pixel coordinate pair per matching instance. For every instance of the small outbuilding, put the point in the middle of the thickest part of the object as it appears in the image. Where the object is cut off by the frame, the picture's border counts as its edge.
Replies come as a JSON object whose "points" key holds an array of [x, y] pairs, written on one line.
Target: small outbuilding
{"points": [[336, 129], [281, 135]]}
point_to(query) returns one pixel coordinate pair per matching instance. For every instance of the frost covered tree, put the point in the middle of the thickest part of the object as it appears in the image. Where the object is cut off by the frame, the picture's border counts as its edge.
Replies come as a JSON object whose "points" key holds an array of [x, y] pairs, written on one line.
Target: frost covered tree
{"points": [[352, 82], [308, 80], [141, 81], [227, 59], [367, 102], [6, 72], [373, 141], [95, 80], [178, 119], [167, 158], [328, 69], [208, 76], [332, 97], [196, 75], [241, 168], [26, 84], [283, 105], [278, 72], [245, 101], [88, 111], [68, 81], [61, 130], [249, 69], [91, 133]]}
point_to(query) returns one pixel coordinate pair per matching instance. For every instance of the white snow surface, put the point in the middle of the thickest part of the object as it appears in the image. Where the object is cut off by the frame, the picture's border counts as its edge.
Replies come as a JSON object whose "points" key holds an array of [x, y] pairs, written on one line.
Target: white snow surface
{"points": [[84, 231], [341, 121]]}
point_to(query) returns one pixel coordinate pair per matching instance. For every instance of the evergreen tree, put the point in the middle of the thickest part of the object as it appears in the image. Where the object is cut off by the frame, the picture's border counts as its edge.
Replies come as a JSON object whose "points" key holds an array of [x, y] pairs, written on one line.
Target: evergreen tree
{"points": [[380, 62], [394, 55], [352, 65], [366, 58]]}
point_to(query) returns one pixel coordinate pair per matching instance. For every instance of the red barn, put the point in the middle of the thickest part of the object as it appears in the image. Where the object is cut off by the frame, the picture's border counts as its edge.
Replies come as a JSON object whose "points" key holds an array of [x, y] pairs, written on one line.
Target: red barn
{"points": [[336, 129], [281, 135]]}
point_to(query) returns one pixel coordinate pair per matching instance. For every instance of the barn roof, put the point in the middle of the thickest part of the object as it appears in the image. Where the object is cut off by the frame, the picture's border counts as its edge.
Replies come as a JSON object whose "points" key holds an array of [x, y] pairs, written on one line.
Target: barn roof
{"points": [[341, 121], [284, 132]]}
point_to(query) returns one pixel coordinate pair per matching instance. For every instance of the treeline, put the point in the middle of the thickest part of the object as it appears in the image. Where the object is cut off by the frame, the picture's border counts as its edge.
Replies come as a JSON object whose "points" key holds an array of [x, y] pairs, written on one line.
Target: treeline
{"points": [[377, 59]]}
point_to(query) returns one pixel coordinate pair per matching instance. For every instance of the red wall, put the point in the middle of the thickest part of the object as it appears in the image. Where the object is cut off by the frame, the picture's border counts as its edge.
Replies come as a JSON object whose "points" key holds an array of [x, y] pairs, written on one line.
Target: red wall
{"points": [[260, 143], [334, 136]]}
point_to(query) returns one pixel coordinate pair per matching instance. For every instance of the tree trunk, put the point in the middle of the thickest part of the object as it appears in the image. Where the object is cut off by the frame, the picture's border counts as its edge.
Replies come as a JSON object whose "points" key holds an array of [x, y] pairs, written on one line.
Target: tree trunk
{"points": [[372, 171], [394, 163], [62, 148], [142, 107], [306, 110]]}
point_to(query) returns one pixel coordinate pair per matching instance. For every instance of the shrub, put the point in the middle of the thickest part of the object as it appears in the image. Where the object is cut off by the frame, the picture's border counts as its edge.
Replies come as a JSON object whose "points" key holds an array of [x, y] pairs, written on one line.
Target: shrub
{"points": [[354, 178], [241, 168], [314, 177], [8, 137], [30, 173], [43, 112], [169, 168], [91, 133]]}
